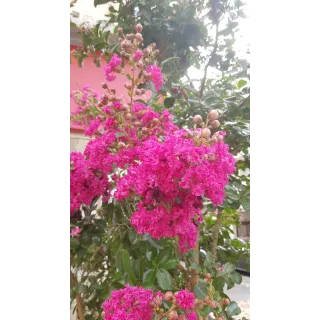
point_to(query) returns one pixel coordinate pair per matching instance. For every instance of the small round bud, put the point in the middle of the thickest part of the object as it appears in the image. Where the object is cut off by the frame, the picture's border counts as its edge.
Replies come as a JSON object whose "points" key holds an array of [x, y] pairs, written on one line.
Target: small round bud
{"points": [[207, 300], [143, 91], [112, 98], [139, 37], [138, 91], [104, 85], [173, 315], [146, 51], [205, 133], [152, 304], [120, 30], [215, 124], [168, 295], [197, 119], [220, 137], [157, 300], [128, 85], [124, 108], [121, 145], [147, 60], [155, 120], [208, 275], [128, 116], [211, 158], [156, 52], [139, 27], [213, 115], [104, 99], [103, 315], [122, 53], [113, 91], [226, 301]]}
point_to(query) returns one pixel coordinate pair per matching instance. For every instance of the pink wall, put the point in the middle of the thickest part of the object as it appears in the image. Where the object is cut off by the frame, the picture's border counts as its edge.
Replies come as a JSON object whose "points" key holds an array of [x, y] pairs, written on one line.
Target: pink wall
{"points": [[89, 74]]}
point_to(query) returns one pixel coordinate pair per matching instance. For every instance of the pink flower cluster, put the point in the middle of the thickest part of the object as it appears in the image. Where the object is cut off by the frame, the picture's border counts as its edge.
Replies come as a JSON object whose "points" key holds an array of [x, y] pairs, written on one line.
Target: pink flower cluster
{"points": [[76, 232], [111, 67], [129, 303], [156, 76], [185, 299], [171, 178], [137, 56], [192, 316], [136, 303], [85, 183]]}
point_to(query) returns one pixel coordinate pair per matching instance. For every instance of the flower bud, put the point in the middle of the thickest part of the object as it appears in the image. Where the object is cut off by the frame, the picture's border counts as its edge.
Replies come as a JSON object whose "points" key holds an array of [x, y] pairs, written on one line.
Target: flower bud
{"points": [[156, 52], [208, 275], [127, 116], [146, 51], [207, 300], [173, 315], [121, 144], [103, 314], [182, 317], [215, 124], [104, 99], [205, 133], [139, 37], [104, 85], [147, 60], [122, 53], [143, 91], [139, 27], [211, 158], [113, 91], [220, 137], [124, 108], [213, 115], [197, 119], [168, 295], [120, 30], [138, 92], [128, 85], [112, 98], [226, 301]]}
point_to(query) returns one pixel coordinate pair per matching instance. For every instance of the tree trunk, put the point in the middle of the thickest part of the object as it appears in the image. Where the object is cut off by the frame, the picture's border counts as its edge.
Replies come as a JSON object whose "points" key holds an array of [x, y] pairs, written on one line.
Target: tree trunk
{"points": [[79, 300]]}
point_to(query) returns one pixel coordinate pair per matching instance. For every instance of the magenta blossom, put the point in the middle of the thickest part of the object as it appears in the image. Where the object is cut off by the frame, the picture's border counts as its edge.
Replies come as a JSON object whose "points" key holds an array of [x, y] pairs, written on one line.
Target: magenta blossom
{"points": [[192, 316], [137, 56], [185, 299], [76, 232], [156, 76], [111, 67]]}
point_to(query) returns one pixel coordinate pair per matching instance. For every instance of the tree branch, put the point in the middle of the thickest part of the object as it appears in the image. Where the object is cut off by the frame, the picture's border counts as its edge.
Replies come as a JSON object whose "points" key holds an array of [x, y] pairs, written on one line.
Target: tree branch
{"points": [[216, 236], [78, 298]]}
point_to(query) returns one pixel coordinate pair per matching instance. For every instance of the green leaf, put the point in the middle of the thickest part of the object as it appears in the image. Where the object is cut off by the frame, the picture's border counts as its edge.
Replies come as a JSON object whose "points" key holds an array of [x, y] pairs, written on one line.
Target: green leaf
{"points": [[149, 276], [119, 134], [236, 277], [74, 243], [246, 204], [233, 308], [138, 268], [164, 256], [241, 83], [205, 311], [170, 264], [123, 261], [199, 292], [229, 267], [164, 279], [169, 102], [218, 283], [148, 285]]}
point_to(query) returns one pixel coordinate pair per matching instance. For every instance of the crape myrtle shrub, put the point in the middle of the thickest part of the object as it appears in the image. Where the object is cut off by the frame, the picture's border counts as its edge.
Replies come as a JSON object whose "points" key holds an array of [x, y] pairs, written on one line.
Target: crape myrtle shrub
{"points": [[138, 200]]}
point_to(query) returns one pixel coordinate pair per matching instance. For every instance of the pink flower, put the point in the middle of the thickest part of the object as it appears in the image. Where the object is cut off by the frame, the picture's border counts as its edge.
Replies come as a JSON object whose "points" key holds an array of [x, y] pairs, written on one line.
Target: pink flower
{"points": [[137, 56], [192, 316], [156, 75], [128, 303], [185, 299], [221, 268], [111, 67], [76, 232]]}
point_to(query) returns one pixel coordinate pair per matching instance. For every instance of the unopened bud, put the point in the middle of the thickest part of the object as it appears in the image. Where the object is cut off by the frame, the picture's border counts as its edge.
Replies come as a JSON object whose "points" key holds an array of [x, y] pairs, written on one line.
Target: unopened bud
{"points": [[144, 131], [113, 91], [146, 51], [143, 91], [168, 295], [208, 275], [122, 53], [112, 98], [215, 124], [226, 301], [182, 317], [128, 116], [138, 91], [173, 315], [205, 133], [139, 27], [124, 108], [128, 86], [220, 137], [121, 144], [213, 115], [211, 158], [103, 314], [207, 300], [156, 52], [104, 99], [104, 85], [197, 119], [120, 30], [139, 37]]}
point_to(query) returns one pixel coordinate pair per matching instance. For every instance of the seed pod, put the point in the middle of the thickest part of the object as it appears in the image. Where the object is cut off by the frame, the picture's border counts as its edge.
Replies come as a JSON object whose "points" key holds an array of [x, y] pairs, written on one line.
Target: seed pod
{"points": [[197, 119], [215, 124], [206, 133], [213, 115]]}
